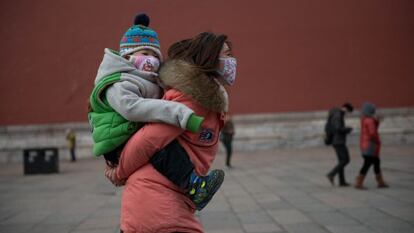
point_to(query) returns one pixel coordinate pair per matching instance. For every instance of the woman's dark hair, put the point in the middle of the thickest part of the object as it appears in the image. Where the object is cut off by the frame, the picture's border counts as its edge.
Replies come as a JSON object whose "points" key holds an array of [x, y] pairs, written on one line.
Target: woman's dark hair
{"points": [[201, 51]]}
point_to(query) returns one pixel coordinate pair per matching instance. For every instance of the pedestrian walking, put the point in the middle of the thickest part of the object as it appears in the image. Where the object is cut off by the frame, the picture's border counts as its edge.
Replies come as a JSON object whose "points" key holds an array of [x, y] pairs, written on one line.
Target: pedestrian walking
{"points": [[370, 144], [227, 139], [71, 139], [337, 133]]}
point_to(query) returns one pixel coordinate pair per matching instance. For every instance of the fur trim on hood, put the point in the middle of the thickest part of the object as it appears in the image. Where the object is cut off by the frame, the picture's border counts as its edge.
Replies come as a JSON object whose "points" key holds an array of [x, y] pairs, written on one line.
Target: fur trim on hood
{"points": [[206, 91]]}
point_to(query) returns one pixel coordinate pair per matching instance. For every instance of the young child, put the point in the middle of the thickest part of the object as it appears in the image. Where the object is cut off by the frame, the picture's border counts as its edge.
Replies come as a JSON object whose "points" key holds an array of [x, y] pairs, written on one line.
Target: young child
{"points": [[370, 144], [127, 93]]}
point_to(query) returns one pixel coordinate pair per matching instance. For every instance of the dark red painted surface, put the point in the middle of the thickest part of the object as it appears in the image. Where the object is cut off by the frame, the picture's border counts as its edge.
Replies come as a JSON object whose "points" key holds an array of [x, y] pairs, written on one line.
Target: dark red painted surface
{"points": [[293, 55]]}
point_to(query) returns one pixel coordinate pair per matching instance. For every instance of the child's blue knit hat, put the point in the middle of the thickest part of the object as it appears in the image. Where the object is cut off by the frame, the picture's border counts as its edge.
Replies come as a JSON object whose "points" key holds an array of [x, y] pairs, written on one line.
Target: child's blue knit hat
{"points": [[139, 37]]}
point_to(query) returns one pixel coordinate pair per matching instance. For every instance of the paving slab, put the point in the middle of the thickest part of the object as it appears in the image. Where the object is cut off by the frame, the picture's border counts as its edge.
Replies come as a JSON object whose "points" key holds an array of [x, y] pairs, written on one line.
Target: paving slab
{"points": [[283, 191]]}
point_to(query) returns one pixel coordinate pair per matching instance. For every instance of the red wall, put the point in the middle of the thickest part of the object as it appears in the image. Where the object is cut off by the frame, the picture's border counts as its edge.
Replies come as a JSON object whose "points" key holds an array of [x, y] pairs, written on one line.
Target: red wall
{"points": [[293, 55]]}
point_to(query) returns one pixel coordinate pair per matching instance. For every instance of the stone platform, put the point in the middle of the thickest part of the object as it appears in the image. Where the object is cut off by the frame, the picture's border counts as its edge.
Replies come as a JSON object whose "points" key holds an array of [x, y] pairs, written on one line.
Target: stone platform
{"points": [[281, 191]]}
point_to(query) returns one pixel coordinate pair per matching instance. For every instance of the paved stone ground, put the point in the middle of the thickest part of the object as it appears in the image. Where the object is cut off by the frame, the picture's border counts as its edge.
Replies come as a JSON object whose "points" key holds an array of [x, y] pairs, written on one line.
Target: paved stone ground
{"points": [[273, 191]]}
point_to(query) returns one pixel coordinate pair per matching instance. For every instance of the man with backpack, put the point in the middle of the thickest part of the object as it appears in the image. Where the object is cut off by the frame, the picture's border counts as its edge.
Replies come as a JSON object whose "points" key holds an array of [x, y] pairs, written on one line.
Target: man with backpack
{"points": [[336, 133]]}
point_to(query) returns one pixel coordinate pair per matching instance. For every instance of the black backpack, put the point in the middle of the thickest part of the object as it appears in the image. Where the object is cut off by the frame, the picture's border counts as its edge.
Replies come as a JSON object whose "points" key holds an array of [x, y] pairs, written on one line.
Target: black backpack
{"points": [[329, 132]]}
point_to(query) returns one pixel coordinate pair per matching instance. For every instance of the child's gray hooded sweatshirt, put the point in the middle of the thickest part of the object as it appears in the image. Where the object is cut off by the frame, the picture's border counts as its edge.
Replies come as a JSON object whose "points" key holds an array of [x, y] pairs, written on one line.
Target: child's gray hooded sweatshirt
{"points": [[136, 96]]}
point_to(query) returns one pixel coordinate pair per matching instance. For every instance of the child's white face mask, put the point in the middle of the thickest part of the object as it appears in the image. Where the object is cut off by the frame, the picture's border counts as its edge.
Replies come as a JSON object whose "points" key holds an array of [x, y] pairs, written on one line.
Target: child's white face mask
{"points": [[227, 69], [145, 63]]}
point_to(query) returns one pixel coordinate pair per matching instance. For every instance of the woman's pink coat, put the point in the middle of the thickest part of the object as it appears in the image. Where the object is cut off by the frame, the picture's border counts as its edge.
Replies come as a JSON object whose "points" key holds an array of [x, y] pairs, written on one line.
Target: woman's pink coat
{"points": [[150, 202]]}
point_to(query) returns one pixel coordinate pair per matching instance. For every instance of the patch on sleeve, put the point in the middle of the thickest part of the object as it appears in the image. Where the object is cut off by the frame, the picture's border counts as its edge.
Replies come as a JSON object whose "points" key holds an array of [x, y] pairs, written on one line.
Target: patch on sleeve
{"points": [[206, 135]]}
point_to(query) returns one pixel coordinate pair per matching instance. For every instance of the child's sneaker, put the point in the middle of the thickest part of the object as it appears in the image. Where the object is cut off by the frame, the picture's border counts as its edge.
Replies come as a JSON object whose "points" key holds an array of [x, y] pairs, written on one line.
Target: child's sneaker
{"points": [[202, 188]]}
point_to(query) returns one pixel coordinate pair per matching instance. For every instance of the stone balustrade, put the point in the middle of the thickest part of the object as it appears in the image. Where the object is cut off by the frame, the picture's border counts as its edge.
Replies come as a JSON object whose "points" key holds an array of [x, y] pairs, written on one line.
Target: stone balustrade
{"points": [[253, 132]]}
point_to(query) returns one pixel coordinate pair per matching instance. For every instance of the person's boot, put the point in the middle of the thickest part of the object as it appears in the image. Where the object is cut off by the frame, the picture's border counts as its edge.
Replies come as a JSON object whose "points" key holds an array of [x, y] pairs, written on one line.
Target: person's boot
{"points": [[331, 179], [344, 184], [201, 189], [359, 182], [381, 182], [228, 165]]}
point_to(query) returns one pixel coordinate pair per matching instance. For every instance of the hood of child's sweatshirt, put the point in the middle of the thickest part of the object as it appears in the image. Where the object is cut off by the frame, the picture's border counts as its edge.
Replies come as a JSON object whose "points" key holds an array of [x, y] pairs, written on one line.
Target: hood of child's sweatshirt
{"points": [[112, 63]]}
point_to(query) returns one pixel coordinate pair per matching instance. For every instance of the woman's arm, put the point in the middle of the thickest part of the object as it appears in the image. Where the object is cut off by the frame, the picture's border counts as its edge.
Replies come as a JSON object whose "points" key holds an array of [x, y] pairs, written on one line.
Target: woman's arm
{"points": [[370, 127], [372, 130]]}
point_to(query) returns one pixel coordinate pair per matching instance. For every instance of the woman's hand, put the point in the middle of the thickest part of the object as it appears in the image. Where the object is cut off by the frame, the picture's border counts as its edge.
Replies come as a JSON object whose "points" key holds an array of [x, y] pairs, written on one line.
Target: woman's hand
{"points": [[110, 174]]}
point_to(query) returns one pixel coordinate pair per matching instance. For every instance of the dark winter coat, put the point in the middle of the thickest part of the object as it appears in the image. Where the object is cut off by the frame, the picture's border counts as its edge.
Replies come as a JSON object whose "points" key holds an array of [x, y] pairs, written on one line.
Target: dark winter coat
{"points": [[340, 131]]}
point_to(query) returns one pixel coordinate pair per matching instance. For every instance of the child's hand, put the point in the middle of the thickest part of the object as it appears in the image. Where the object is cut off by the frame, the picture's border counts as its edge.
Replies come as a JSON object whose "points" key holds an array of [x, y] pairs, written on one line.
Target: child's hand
{"points": [[110, 174]]}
